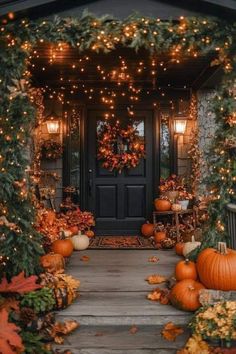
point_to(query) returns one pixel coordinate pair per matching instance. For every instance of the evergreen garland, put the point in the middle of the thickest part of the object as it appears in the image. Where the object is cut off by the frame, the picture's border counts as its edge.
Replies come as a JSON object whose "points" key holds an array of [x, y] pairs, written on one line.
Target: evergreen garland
{"points": [[20, 250]]}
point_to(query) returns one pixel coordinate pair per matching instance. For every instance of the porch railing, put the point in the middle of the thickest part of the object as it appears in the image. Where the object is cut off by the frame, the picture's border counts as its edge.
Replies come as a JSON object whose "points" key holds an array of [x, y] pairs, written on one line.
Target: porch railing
{"points": [[232, 224]]}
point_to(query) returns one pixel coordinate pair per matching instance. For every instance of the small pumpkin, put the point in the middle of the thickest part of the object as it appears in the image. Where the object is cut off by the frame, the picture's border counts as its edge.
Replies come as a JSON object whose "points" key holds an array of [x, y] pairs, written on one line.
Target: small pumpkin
{"points": [[63, 247], [179, 246], [74, 229], [217, 268], [190, 246], [80, 242], [52, 262], [159, 236], [185, 270], [89, 233], [185, 295], [147, 229], [162, 204], [176, 207]]}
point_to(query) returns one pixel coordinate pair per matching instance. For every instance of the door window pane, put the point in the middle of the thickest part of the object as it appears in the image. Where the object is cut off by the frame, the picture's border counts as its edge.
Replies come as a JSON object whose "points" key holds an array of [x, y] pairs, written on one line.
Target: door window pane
{"points": [[164, 146]]}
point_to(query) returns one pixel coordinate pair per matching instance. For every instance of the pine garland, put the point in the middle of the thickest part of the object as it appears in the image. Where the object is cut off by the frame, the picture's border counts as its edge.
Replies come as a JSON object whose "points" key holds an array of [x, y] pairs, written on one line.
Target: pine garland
{"points": [[20, 250]]}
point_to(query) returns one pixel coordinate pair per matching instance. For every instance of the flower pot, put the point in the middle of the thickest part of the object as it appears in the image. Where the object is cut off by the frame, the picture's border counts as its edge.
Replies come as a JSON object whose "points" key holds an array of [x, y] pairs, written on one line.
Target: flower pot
{"points": [[184, 204], [171, 195]]}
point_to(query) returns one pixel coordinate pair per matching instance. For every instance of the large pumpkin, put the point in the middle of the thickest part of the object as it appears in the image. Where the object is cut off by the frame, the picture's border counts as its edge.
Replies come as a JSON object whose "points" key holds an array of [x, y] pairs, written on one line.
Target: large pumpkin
{"points": [[159, 236], [217, 268], [185, 295], [190, 246], [63, 247], [52, 262], [185, 270], [179, 248], [147, 229], [162, 204]]}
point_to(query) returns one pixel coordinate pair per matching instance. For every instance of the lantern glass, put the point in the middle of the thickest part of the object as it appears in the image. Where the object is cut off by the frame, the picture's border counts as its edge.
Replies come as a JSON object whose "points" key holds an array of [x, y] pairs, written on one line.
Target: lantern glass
{"points": [[52, 126], [180, 126]]}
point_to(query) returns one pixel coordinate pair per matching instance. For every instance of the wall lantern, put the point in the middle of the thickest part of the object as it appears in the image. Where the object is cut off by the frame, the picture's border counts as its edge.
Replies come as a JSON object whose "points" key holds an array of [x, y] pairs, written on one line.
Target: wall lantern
{"points": [[180, 125], [53, 124]]}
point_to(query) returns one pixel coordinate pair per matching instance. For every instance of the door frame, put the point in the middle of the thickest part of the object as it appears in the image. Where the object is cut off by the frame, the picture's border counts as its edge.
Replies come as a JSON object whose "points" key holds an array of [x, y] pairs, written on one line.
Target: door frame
{"points": [[155, 147], [84, 148]]}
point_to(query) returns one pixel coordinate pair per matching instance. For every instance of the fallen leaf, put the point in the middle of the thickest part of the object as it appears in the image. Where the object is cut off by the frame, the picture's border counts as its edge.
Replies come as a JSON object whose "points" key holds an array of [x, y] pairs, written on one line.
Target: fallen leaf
{"points": [[161, 295], [154, 295], [10, 341], [19, 284], [133, 329], [156, 279], [99, 334], [153, 259], [85, 258], [171, 331]]}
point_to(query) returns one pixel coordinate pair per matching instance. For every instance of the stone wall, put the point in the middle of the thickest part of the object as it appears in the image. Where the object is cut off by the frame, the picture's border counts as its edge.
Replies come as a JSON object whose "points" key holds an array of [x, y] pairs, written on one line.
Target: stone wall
{"points": [[206, 123]]}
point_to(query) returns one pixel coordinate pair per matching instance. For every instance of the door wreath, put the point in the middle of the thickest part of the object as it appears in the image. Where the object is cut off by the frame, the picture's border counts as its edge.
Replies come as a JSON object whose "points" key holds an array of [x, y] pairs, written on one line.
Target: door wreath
{"points": [[118, 147]]}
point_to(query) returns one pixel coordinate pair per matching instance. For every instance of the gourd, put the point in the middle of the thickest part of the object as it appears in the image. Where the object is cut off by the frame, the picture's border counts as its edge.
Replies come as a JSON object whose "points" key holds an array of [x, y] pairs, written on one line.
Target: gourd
{"points": [[147, 229], [190, 246], [162, 204], [52, 262], [80, 242], [185, 270], [179, 246], [89, 233], [74, 229], [217, 268], [63, 247], [167, 243], [176, 207], [159, 236], [185, 295]]}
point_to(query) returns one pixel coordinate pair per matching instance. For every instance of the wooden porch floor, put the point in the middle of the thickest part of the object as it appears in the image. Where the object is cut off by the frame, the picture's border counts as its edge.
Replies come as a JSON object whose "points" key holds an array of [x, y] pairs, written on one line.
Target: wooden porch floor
{"points": [[113, 298]]}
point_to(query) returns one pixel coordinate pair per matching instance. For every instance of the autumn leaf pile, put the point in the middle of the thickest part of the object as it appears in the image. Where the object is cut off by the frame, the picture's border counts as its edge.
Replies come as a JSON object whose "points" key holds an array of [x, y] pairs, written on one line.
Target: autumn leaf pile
{"points": [[25, 317]]}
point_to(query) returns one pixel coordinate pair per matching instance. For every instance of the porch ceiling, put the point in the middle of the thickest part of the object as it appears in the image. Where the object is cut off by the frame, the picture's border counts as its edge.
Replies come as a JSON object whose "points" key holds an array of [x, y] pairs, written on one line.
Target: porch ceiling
{"points": [[66, 68]]}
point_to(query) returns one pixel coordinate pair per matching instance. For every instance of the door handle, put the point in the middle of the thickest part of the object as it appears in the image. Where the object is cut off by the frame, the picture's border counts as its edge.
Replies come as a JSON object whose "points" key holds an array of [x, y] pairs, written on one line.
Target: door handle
{"points": [[90, 182]]}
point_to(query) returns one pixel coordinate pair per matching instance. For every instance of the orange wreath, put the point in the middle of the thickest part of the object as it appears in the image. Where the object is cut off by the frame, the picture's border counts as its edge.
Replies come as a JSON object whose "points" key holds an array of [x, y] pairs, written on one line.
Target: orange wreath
{"points": [[119, 148]]}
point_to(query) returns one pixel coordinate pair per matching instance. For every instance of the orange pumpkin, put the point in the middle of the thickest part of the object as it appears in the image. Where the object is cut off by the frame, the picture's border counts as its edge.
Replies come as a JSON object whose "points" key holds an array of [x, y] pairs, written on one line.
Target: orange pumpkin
{"points": [[50, 217], [159, 236], [52, 262], [179, 248], [63, 247], [74, 229], [162, 204], [147, 229], [185, 270], [89, 233], [185, 295], [217, 268]]}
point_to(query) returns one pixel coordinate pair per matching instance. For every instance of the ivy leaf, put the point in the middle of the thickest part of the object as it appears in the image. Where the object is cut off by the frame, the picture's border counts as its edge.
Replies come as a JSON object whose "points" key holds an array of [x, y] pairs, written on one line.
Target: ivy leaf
{"points": [[10, 341], [19, 284]]}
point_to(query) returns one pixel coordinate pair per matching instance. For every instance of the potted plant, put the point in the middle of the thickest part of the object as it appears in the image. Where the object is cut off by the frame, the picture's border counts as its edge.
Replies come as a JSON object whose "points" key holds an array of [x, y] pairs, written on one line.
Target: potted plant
{"points": [[183, 199]]}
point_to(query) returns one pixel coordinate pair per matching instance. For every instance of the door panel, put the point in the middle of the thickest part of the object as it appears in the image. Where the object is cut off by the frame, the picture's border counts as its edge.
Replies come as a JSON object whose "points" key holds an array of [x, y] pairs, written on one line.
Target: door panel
{"points": [[122, 201]]}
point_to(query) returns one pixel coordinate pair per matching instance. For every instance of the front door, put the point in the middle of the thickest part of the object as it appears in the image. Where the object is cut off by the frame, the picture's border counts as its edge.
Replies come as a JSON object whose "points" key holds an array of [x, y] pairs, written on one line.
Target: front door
{"points": [[121, 202]]}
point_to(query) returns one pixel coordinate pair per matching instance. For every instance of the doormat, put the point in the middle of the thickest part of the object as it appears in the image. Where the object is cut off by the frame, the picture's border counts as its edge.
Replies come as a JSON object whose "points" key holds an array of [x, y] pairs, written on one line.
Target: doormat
{"points": [[121, 242]]}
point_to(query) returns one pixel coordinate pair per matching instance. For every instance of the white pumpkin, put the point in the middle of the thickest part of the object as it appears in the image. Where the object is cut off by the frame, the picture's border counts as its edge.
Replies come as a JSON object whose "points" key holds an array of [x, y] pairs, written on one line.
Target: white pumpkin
{"points": [[80, 242], [190, 246]]}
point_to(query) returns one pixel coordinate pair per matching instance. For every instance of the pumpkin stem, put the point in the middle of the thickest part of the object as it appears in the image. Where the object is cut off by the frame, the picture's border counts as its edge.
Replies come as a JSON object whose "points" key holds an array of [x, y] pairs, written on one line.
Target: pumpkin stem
{"points": [[186, 261], [193, 238], [222, 248]]}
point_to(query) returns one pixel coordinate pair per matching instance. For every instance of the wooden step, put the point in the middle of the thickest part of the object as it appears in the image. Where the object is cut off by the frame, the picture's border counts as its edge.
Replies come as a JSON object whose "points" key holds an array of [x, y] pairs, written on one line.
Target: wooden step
{"points": [[121, 308], [119, 340]]}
